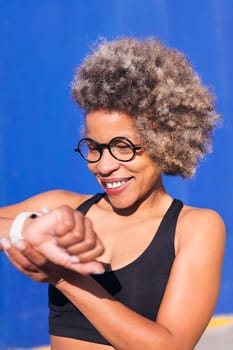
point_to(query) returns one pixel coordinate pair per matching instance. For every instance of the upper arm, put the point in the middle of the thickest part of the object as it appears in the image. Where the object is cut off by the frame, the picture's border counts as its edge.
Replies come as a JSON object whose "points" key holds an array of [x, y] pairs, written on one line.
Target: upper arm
{"points": [[193, 285], [50, 199]]}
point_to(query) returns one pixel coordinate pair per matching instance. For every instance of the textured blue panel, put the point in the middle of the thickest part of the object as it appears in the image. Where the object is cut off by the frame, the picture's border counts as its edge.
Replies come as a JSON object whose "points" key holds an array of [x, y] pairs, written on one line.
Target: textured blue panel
{"points": [[41, 42]]}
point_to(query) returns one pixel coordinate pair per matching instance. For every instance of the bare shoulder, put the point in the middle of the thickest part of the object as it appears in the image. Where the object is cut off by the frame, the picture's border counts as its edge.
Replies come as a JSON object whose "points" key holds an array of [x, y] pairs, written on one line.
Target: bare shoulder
{"points": [[50, 199], [201, 217], [201, 224]]}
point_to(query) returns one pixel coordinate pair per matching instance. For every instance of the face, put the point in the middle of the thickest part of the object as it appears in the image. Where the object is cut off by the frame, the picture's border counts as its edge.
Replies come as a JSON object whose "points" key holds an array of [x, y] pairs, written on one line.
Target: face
{"points": [[127, 184]]}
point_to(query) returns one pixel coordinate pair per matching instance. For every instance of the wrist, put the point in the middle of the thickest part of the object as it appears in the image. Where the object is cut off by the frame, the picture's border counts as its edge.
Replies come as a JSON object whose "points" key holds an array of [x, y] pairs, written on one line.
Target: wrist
{"points": [[66, 279], [17, 225]]}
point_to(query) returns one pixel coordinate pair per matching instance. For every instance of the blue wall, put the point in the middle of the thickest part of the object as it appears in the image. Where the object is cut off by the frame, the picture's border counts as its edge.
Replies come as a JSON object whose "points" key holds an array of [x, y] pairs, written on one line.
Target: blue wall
{"points": [[41, 42]]}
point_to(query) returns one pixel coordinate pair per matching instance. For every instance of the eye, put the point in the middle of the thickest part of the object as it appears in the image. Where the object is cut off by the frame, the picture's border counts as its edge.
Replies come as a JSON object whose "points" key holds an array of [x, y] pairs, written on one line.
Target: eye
{"points": [[92, 147], [123, 148]]}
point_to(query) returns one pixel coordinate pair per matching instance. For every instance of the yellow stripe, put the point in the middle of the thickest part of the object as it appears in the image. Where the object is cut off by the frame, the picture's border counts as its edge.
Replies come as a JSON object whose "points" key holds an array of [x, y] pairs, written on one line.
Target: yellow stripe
{"points": [[220, 321]]}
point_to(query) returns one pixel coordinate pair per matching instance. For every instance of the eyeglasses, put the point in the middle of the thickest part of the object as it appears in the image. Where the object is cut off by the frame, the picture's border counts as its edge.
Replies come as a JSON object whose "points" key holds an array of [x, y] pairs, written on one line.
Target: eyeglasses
{"points": [[120, 148]]}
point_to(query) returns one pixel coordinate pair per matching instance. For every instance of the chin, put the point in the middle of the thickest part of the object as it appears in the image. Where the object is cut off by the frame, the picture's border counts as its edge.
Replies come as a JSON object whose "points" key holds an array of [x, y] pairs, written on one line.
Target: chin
{"points": [[125, 207]]}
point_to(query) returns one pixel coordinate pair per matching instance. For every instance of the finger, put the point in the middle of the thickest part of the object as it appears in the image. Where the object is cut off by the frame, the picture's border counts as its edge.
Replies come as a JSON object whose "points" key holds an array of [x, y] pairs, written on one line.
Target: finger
{"points": [[64, 220], [92, 267], [92, 254], [69, 239], [56, 254], [90, 248], [32, 273], [5, 244], [18, 258], [60, 257], [41, 269], [81, 233], [74, 235], [31, 254]]}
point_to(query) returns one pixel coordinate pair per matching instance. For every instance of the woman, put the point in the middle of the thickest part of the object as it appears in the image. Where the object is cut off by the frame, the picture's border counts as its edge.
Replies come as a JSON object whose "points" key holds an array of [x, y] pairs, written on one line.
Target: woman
{"points": [[149, 266]]}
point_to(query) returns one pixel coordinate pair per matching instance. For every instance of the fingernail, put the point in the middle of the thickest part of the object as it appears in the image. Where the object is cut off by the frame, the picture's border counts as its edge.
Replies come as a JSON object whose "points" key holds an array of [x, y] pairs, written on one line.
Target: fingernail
{"points": [[44, 209], [5, 245], [73, 259], [98, 272], [20, 244], [54, 241]]}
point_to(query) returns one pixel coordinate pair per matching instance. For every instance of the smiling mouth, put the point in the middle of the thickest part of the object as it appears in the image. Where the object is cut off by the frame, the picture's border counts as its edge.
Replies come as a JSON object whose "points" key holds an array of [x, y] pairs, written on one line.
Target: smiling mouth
{"points": [[115, 184]]}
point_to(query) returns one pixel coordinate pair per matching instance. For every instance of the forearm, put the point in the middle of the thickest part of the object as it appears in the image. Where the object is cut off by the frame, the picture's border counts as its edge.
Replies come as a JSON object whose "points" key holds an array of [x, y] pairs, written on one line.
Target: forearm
{"points": [[122, 327]]}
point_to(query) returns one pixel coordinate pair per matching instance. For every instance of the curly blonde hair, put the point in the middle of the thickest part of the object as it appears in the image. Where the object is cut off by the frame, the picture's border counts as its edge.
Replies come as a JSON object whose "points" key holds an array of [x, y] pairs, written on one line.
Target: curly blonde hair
{"points": [[155, 85]]}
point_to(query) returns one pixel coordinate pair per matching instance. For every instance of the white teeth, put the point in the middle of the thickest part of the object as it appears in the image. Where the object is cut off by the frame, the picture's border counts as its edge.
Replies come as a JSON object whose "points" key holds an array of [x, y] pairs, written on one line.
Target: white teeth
{"points": [[114, 184]]}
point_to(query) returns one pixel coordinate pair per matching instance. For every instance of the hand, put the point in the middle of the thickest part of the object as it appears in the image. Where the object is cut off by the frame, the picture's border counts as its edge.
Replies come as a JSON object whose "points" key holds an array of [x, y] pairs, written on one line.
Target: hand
{"points": [[34, 265], [66, 238], [20, 259]]}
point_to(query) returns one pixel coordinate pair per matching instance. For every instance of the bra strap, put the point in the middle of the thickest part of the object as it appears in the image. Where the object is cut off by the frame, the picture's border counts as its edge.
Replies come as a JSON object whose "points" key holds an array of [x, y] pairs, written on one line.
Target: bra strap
{"points": [[84, 207]]}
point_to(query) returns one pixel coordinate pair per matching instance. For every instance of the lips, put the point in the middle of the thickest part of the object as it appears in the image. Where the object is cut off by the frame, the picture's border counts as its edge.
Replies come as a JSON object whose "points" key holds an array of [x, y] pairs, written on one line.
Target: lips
{"points": [[114, 184]]}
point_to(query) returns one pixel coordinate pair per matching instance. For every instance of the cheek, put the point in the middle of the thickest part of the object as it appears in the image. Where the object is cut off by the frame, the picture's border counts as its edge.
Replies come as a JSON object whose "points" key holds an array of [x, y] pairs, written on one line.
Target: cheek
{"points": [[148, 170], [145, 164], [91, 167]]}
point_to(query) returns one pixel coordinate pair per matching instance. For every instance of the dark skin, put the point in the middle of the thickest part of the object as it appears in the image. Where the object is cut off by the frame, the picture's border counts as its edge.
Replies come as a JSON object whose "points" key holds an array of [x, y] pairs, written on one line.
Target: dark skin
{"points": [[134, 188]]}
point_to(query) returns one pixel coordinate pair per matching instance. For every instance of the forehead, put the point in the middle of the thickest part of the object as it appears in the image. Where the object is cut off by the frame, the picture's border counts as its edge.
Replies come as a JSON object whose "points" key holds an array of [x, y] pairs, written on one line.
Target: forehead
{"points": [[105, 125]]}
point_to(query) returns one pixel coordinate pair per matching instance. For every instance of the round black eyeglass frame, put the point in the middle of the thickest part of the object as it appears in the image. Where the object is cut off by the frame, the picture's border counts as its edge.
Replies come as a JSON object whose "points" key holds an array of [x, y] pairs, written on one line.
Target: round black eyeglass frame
{"points": [[100, 147]]}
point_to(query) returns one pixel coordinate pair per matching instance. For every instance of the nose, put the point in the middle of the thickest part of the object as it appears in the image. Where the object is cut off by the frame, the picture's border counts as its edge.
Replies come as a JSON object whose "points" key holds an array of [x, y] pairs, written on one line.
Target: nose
{"points": [[107, 163]]}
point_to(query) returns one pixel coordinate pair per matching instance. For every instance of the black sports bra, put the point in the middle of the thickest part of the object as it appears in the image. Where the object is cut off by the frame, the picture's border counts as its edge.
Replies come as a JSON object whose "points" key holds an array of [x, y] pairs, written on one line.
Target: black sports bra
{"points": [[140, 285]]}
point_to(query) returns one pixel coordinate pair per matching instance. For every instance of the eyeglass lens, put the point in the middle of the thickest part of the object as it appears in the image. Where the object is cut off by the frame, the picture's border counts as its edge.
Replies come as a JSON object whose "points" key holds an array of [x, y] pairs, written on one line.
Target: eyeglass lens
{"points": [[120, 148]]}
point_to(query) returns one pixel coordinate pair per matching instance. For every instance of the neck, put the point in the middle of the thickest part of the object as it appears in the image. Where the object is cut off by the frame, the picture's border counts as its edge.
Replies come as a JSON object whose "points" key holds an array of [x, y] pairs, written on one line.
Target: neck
{"points": [[155, 198]]}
